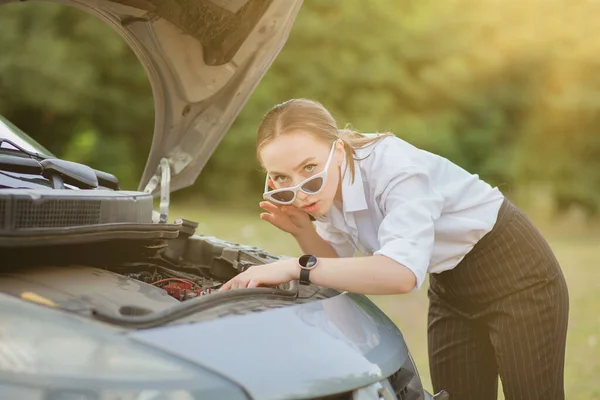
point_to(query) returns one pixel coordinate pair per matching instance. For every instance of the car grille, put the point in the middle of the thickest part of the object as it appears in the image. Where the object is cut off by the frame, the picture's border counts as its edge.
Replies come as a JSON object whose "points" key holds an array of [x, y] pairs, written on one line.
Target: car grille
{"points": [[56, 213], [25, 210]]}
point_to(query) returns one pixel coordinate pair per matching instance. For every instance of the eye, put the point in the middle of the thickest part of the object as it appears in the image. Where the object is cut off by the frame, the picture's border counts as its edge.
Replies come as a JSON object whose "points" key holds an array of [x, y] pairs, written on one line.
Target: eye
{"points": [[310, 167], [280, 178]]}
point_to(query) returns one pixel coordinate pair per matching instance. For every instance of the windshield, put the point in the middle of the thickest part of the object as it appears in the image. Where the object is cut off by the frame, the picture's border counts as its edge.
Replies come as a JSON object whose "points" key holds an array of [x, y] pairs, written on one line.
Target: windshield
{"points": [[20, 138]]}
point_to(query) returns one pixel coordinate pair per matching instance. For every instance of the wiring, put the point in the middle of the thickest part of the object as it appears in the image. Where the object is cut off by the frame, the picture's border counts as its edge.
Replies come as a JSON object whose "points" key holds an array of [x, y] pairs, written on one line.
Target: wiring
{"points": [[174, 279]]}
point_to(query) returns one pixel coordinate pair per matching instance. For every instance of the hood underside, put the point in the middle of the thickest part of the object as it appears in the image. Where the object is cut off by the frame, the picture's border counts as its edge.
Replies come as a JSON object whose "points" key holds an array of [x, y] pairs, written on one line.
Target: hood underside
{"points": [[203, 59]]}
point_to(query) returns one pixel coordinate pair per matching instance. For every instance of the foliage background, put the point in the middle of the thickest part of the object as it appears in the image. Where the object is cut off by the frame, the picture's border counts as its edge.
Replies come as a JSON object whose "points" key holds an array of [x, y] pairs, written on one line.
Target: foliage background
{"points": [[508, 89]]}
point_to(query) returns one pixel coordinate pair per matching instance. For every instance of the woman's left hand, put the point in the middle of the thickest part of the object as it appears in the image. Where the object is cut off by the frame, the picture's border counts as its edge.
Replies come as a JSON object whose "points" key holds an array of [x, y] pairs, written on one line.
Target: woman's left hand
{"points": [[274, 273]]}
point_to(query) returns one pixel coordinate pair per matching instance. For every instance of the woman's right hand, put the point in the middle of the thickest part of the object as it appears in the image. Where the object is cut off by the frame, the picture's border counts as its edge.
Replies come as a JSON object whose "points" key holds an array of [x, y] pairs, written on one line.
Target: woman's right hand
{"points": [[287, 218]]}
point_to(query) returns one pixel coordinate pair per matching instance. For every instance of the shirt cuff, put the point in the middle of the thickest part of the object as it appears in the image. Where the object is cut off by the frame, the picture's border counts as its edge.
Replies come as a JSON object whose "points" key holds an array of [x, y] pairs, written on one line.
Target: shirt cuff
{"points": [[406, 254]]}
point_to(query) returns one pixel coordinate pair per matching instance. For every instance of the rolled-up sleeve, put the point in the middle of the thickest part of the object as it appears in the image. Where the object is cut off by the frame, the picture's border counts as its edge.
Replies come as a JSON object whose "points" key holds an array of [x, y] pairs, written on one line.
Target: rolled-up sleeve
{"points": [[410, 206], [342, 246]]}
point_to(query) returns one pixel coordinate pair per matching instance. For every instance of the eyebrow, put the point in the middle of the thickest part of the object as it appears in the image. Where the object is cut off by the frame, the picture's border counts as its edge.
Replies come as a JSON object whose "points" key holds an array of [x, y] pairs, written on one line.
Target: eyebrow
{"points": [[273, 173]]}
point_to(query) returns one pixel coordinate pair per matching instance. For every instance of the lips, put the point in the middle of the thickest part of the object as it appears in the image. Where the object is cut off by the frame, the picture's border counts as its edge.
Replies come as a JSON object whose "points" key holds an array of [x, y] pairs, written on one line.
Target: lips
{"points": [[310, 207]]}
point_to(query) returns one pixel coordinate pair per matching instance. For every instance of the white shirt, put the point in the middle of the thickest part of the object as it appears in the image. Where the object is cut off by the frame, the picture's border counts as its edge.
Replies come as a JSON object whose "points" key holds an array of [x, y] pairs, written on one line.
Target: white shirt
{"points": [[410, 205]]}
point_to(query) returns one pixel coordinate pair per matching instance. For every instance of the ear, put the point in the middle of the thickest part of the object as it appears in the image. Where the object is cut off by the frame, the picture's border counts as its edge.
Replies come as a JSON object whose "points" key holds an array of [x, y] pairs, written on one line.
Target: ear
{"points": [[341, 152]]}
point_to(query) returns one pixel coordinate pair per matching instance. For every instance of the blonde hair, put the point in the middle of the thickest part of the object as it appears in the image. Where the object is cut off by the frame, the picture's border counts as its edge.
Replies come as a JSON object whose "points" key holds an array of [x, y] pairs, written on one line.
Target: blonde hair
{"points": [[312, 117]]}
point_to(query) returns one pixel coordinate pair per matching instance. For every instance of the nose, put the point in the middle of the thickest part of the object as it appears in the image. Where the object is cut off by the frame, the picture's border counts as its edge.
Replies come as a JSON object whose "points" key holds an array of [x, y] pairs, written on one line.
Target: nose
{"points": [[300, 195], [300, 198]]}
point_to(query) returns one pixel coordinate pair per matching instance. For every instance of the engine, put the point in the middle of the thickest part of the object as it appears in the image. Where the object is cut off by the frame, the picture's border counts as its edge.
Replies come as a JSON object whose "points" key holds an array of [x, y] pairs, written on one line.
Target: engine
{"points": [[176, 287], [196, 265], [121, 274]]}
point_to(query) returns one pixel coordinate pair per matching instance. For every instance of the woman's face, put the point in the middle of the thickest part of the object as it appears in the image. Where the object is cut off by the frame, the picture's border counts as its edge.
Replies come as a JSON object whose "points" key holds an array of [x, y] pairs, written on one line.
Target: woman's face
{"points": [[297, 155]]}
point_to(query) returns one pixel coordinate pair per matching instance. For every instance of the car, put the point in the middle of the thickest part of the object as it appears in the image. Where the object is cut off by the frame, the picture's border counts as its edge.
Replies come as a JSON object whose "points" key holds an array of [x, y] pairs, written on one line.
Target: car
{"points": [[102, 296]]}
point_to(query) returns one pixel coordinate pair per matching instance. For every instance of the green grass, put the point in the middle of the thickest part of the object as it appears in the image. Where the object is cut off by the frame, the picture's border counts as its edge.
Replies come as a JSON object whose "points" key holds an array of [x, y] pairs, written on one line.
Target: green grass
{"points": [[575, 248]]}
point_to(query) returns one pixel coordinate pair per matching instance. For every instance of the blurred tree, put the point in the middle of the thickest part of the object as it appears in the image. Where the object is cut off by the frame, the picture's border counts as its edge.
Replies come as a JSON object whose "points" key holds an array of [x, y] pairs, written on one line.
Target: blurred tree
{"points": [[405, 66], [64, 75], [559, 144], [500, 87]]}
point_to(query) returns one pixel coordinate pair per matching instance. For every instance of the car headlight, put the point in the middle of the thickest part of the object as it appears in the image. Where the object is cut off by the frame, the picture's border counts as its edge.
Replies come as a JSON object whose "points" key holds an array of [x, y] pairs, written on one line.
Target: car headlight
{"points": [[406, 382], [47, 354]]}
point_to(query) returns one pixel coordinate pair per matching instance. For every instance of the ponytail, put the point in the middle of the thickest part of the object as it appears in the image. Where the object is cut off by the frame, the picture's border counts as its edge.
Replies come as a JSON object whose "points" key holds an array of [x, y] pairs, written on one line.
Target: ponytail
{"points": [[355, 140]]}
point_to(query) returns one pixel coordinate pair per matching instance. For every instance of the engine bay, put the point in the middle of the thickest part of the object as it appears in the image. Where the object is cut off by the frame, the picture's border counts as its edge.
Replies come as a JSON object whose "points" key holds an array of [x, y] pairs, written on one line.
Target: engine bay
{"points": [[178, 288], [127, 276], [195, 266]]}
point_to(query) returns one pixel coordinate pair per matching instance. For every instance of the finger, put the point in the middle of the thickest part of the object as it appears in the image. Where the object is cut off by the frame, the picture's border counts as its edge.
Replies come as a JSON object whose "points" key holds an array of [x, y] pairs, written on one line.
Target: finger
{"points": [[226, 286], [288, 210], [253, 283], [298, 216], [267, 217], [268, 206], [242, 282], [293, 210]]}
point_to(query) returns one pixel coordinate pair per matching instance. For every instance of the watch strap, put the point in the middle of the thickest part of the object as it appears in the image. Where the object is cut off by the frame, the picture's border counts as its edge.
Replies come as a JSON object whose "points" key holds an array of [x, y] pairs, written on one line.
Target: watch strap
{"points": [[304, 276]]}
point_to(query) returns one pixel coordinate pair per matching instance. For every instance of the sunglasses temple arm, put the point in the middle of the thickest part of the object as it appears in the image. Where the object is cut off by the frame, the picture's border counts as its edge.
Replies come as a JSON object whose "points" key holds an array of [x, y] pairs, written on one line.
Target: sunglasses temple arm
{"points": [[330, 157]]}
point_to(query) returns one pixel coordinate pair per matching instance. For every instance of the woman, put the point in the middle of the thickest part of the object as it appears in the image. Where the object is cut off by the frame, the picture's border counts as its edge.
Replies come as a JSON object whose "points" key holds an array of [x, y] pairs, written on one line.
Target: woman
{"points": [[498, 299]]}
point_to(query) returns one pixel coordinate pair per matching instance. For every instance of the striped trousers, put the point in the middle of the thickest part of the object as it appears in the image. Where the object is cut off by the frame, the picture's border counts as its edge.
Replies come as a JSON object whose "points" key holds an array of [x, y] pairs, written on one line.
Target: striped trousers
{"points": [[502, 312]]}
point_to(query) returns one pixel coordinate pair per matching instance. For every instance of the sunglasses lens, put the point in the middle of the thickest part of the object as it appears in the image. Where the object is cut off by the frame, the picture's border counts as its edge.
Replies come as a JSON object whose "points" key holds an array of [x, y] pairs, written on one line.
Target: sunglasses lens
{"points": [[313, 185], [285, 196]]}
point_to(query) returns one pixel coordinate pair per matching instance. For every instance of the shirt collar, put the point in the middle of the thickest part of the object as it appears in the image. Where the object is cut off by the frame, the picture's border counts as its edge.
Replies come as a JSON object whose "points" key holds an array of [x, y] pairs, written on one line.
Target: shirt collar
{"points": [[353, 193]]}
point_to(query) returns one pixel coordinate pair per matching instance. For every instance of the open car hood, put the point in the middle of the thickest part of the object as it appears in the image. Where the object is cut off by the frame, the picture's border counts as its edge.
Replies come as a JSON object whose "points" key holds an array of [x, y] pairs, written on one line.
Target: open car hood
{"points": [[203, 58]]}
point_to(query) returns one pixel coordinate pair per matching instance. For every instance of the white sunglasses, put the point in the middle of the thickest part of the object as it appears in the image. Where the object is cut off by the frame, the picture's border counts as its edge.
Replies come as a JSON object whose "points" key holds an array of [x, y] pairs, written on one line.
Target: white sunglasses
{"points": [[312, 185]]}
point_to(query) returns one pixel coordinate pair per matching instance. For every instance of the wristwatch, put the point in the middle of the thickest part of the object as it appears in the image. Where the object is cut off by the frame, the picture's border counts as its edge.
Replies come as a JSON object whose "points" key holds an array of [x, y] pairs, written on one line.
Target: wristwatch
{"points": [[307, 263]]}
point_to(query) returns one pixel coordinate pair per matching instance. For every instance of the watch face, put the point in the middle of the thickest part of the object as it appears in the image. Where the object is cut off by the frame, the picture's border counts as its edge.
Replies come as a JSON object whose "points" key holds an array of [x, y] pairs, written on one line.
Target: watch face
{"points": [[307, 261]]}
